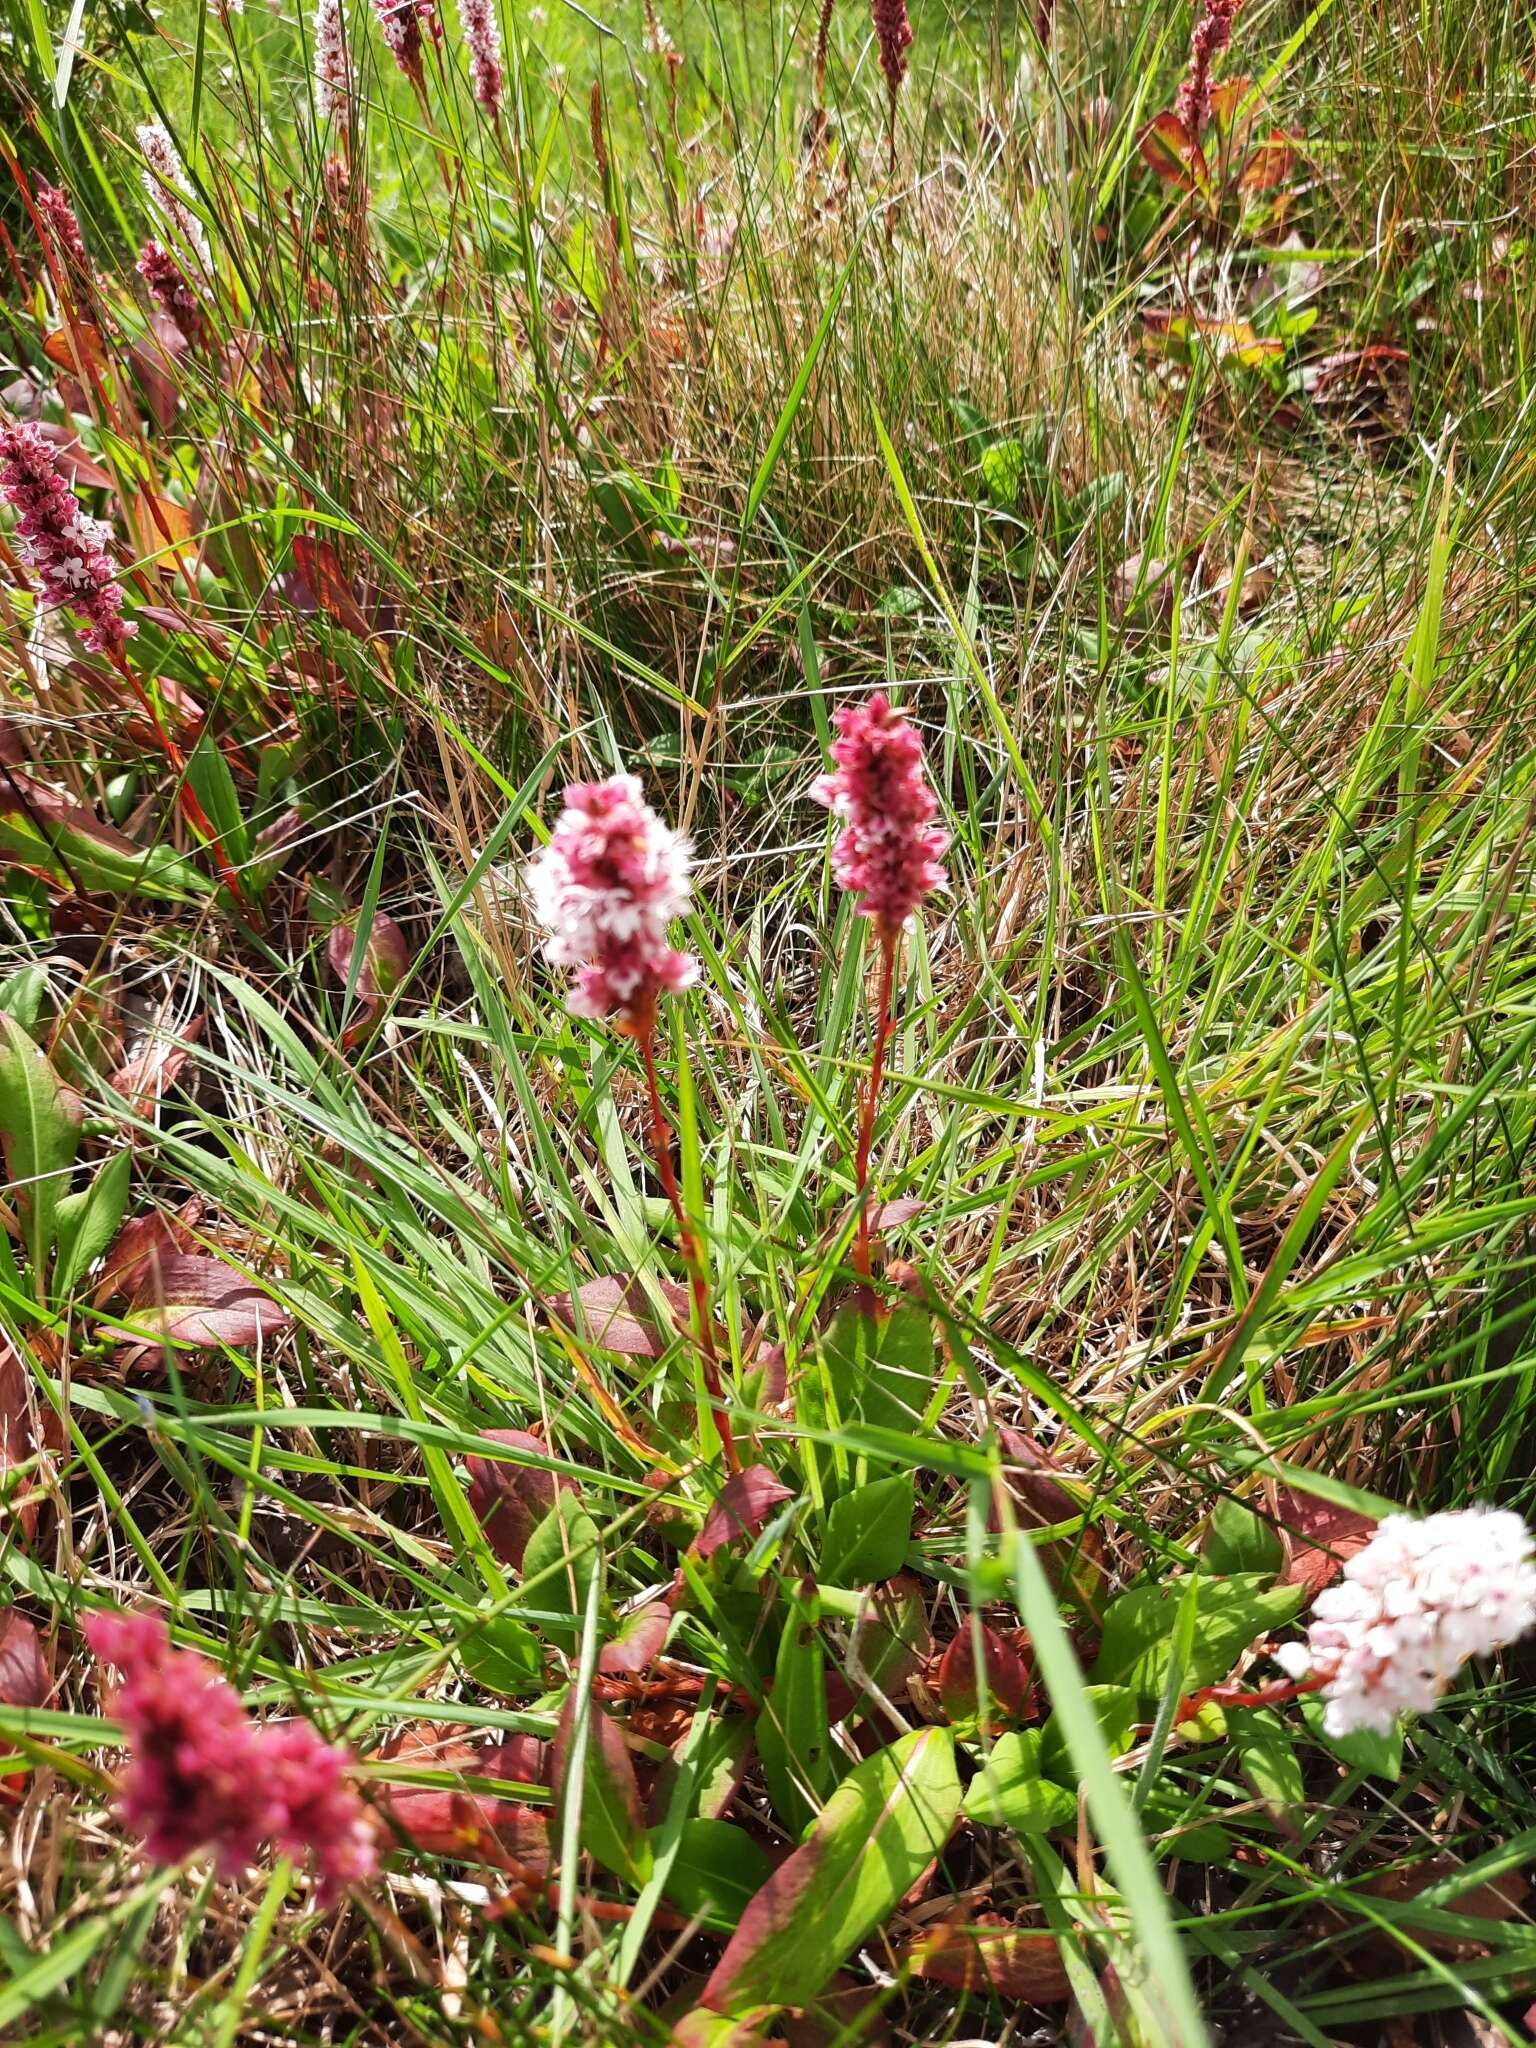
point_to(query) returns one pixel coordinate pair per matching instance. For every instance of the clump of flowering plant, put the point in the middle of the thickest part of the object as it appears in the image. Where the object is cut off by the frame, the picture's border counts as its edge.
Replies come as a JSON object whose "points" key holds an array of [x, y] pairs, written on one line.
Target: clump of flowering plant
{"points": [[607, 889], [889, 856], [203, 1776], [168, 286]]}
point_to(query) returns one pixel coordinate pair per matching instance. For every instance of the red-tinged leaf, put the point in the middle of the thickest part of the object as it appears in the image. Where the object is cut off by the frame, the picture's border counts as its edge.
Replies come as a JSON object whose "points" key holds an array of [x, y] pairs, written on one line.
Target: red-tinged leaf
{"points": [[176, 622], [1010, 1962], [325, 581], [612, 1823], [473, 1826], [510, 1500], [147, 1237], [194, 1298], [704, 2029], [1270, 164], [24, 1682], [1226, 98], [163, 532], [1322, 1537], [639, 1641], [154, 1068], [890, 1215], [78, 347], [379, 971], [618, 1316], [77, 465], [1173, 152], [1002, 1687], [891, 1641], [740, 1509], [874, 1839], [28, 1427], [155, 362]]}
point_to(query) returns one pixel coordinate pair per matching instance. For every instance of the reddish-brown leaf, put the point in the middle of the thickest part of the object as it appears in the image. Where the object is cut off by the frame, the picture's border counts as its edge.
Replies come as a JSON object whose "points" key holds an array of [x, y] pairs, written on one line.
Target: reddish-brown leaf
{"points": [[24, 1681], [510, 1500], [1322, 1538], [1270, 164], [197, 1299], [1173, 152], [78, 347], [1012, 1962], [27, 1427], [740, 1509], [384, 960], [612, 1819], [153, 1069], [638, 1642], [325, 580], [617, 1315], [79, 467], [474, 1826], [1226, 98], [1004, 1678]]}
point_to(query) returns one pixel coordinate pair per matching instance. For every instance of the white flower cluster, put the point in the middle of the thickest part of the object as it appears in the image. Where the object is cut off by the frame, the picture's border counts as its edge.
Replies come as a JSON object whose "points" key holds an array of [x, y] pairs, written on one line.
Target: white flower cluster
{"points": [[1420, 1599]]}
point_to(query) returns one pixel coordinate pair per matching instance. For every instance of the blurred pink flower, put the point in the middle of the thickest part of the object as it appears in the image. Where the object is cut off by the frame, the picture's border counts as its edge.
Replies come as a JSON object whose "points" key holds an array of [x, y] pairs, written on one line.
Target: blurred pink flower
{"points": [[333, 75], [893, 33], [168, 287], [606, 887], [401, 23], [195, 1780], [58, 218], [68, 549], [889, 852], [204, 1775], [1212, 34], [482, 38], [166, 182]]}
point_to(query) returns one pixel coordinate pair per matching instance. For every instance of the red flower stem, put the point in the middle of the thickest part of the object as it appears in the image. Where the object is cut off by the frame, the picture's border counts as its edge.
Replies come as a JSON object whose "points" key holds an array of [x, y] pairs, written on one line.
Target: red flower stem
{"points": [[890, 938], [688, 1244], [1274, 1695]]}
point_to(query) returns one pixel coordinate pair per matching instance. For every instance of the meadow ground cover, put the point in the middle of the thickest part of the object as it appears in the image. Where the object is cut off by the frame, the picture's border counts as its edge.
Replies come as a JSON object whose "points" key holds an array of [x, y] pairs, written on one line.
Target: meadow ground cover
{"points": [[629, 1412]]}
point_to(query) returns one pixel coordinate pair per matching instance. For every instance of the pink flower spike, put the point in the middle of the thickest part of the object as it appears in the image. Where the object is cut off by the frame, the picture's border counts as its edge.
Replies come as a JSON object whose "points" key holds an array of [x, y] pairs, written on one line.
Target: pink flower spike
{"points": [[333, 73], [889, 852], [322, 1816], [69, 550], [195, 1780], [606, 888], [1212, 34], [168, 287], [482, 38], [58, 218]]}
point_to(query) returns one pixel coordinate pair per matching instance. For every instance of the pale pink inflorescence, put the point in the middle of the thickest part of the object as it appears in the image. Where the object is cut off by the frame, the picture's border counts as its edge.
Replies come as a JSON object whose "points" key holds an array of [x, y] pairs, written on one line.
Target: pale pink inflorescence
{"points": [[333, 76], [165, 180], [1420, 1599], [203, 1775], [58, 218], [168, 287], [482, 38], [1212, 34], [889, 852], [68, 549], [606, 888]]}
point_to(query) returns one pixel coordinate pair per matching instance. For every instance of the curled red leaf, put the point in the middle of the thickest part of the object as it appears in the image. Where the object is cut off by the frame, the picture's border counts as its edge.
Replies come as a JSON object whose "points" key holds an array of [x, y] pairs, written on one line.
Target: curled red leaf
{"points": [[510, 1500], [740, 1509]]}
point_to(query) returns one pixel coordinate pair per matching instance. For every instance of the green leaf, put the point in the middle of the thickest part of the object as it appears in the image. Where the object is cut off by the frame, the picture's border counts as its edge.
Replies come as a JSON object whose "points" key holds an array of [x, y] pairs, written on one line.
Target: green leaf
{"points": [[88, 1222], [214, 787], [502, 1655], [40, 830], [715, 1872], [882, 1369], [1381, 1755], [1009, 1791], [1269, 1762], [565, 1547], [1114, 1708], [1238, 1540], [878, 1833], [39, 1135], [1137, 1647], [1002, 471], [611, 1829], [793, 1736], [868, 1532], [21, 995]]}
